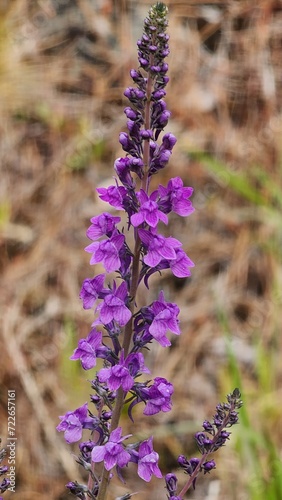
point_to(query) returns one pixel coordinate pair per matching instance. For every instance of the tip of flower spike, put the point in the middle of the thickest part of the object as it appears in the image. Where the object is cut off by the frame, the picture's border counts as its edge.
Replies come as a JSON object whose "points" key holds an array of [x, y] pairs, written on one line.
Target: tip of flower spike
{"points": [[158, 10]]}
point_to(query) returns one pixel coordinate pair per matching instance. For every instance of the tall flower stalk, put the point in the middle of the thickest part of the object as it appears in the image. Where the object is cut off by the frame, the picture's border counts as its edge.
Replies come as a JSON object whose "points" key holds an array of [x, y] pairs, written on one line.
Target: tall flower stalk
{"points": [[122, 330]]}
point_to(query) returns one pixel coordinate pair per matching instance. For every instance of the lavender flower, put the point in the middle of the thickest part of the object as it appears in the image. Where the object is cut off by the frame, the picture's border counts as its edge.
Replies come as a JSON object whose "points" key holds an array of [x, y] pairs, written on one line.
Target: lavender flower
{"points": [[113, 306], [148, 461], [159, 397], [102, 225], [73, 422], [175, 198], [157, 247], [123, 373], [114, 195], [125, 328], [90, 349], [107, 251], [113, 452], [148, 210], [91, 290]]}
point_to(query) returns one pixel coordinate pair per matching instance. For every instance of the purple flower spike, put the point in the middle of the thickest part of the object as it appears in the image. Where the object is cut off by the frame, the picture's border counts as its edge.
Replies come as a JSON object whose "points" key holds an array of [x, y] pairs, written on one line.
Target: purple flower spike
{"points": [[148, 211], [113, 452], [72, 423], [134, 250], [148, 461]]}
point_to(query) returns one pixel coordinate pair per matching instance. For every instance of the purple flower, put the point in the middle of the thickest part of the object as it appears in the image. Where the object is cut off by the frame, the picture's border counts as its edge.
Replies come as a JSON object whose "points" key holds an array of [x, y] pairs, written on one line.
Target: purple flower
{"points": [[107, 251], [102, 225], [113, 452], [148, 211], [148, 461], [113, 306], [135, 363], [116, 376], [91, 289], [175, 197], [114, 195], [123, 373], [89, 349], [165, 318], [158, 247], [180, 266], [72, 424], [159, 397]]}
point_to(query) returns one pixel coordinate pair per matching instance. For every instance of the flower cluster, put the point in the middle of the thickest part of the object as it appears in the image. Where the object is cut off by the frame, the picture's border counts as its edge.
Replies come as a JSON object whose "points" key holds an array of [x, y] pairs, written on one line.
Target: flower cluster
{"points": [[121, 330], [4, 483]]}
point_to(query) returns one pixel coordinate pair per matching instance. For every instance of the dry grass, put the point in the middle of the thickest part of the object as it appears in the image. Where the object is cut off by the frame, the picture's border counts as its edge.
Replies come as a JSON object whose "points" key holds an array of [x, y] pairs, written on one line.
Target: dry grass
{"points": [[64, 66]]}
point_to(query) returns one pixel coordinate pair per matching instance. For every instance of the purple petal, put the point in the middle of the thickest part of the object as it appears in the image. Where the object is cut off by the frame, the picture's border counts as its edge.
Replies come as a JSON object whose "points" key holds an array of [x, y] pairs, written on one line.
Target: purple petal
{"points": [[98, 453], [110, 461], [123, 458], [144, 472], [137, 219]]}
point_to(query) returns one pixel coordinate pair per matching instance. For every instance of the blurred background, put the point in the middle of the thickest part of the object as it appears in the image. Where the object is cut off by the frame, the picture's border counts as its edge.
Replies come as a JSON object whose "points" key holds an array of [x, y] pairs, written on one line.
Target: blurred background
{"points": [[64, 65]]}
